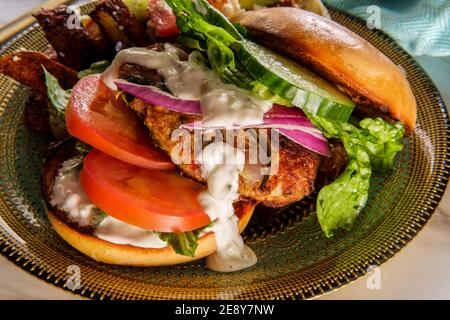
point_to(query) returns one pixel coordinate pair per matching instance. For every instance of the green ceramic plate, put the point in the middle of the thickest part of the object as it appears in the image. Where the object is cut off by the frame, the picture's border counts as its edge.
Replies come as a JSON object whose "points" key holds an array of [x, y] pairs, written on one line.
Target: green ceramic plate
{"points": [[295, 259]]}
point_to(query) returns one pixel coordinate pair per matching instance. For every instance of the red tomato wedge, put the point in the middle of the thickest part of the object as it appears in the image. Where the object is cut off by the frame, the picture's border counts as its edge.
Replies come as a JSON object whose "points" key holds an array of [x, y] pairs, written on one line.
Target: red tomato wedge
{"points": [[96, 116], [151, 199], [162, 18]]}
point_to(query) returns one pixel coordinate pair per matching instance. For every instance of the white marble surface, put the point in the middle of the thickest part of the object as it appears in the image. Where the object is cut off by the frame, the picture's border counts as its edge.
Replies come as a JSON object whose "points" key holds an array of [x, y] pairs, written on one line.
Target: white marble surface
{"points": [[419, 271]]}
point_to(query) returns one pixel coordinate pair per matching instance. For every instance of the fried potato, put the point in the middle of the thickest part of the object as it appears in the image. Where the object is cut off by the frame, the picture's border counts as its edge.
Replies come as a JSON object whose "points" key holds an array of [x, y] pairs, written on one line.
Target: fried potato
{"points": [[119, 24], [36, 114], [26, 68], [75, 48]]}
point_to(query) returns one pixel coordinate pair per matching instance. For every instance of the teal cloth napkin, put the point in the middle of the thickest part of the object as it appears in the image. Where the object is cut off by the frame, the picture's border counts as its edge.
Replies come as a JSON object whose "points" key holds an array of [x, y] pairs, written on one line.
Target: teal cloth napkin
{"points": [[422, 27]]}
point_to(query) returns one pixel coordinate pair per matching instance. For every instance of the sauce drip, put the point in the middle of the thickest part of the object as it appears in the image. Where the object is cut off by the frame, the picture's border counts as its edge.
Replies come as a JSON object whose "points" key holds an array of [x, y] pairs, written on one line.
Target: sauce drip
{"points": [[221, 165]]}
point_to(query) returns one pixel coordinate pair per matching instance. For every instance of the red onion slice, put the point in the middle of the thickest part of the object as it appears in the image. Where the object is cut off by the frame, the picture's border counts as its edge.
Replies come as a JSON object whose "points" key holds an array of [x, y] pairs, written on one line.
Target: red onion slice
{"points": [[307, 137], [158, 97], [290, 122], [285, 112], [268, 124], [307, 140]]}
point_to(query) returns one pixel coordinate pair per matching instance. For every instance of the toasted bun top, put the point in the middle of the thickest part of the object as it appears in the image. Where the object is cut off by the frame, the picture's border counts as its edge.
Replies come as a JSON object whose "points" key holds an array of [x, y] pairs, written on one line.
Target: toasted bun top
{"points": [[374, 82]]}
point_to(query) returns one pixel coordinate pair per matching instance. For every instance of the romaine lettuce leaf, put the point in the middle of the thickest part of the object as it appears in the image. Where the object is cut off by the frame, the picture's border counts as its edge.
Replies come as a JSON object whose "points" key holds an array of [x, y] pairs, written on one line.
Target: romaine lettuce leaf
{"points": [[381, 140], [206, 29], [184, 243], [95, 68], [59, 98], [190, 12], [374, 144], [83, 147]]}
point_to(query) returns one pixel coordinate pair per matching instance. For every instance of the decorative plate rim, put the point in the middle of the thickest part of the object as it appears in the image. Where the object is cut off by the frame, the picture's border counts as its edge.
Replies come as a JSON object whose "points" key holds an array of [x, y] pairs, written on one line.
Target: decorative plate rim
{"points": [[349, 276]]}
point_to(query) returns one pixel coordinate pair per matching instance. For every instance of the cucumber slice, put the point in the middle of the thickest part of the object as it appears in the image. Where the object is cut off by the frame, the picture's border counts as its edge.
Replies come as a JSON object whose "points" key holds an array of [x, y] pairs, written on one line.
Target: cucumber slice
{"points": [[139, 8], [248, 4], [293, 82]]}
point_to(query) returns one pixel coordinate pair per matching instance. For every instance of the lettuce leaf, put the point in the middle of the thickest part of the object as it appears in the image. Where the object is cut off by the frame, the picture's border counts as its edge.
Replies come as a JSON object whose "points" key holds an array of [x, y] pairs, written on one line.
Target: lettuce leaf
{"points": [[83, 147], [381, 140], [184, 243], [202, 26], [190, 15], [206, 29], [95, 68], [372, 145], [59, 99]]}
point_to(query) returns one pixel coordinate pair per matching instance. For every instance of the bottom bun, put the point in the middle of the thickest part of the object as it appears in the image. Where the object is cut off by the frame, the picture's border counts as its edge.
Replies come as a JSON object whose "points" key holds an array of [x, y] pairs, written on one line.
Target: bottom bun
{"points": [[126, 255]]}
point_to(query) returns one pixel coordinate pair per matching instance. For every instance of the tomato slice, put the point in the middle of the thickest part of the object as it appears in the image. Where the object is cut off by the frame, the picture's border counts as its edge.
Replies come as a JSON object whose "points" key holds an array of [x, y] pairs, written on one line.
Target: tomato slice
{"points": [[162, 18], [151, 199], [99, 118]]}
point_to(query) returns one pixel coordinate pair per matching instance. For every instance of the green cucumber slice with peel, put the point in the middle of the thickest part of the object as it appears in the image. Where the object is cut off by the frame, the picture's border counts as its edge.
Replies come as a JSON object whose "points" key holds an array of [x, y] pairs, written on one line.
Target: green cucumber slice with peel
{"points": [[248, 4], [293, 82]]}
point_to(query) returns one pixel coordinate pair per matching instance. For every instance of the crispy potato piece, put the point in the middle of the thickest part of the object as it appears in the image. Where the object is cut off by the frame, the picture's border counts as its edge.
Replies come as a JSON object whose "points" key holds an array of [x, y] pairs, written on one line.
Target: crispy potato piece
{"points": [[120, 24], [75, 48], [110, 27], [36, 114], [26, 68]]}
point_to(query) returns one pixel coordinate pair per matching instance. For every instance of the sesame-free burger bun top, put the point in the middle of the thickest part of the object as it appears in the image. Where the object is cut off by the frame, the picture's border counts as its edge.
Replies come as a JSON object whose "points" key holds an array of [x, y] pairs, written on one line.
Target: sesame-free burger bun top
{"points": [[373, 81]]}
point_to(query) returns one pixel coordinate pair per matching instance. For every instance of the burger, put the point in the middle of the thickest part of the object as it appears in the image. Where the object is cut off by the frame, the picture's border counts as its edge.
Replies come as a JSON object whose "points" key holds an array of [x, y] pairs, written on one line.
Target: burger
{"points": [[150, 175]]}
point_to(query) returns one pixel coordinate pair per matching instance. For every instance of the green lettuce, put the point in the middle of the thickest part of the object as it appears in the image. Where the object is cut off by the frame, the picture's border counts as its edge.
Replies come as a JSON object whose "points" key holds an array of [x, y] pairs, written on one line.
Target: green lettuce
{"points": [[184, 243], [95, 68], [371, 146], [381, 140], [59, 99], [199, 19], [82, 147], [206, 29]]}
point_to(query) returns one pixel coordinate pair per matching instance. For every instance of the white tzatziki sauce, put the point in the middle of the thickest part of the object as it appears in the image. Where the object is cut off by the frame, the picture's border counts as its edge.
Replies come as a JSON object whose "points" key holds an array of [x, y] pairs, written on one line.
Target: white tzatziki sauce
{"points": [[222, 105], [68, 195], [116, 231], [221, 165]]}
